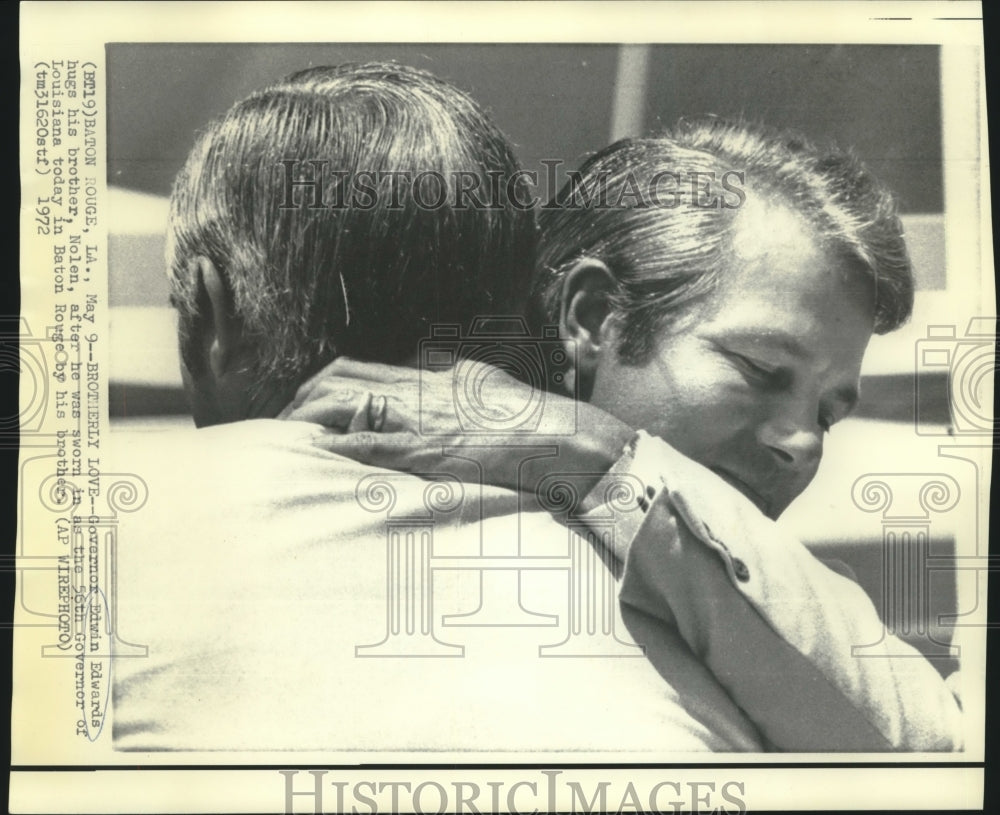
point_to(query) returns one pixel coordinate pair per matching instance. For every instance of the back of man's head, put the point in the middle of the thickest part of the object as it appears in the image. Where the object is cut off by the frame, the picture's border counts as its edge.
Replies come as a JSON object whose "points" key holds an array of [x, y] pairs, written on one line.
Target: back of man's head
{"points": [[661, 213], [386, 245]]}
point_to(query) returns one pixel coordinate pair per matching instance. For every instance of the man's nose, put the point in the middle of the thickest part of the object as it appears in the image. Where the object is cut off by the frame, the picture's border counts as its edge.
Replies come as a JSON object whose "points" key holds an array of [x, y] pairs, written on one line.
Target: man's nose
{"points": [[795, 444]]}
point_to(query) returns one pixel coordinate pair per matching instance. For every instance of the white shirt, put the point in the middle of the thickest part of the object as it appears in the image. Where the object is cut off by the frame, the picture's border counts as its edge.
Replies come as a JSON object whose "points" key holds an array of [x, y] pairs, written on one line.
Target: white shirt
{"points": [[254, 573]]}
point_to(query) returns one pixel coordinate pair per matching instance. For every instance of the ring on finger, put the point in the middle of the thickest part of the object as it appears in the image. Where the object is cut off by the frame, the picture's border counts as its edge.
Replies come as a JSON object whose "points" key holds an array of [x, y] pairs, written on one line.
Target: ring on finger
{"points": [[377, 408]]}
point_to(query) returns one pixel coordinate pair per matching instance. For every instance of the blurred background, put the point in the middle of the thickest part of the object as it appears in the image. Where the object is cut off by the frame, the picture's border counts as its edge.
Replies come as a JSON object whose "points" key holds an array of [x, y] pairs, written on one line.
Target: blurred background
{"points": [[564, 102]]}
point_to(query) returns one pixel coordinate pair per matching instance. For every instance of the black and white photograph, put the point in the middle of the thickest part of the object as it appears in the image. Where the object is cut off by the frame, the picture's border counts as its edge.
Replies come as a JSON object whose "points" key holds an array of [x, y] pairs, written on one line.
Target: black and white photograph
{"points": [[579, 414]]}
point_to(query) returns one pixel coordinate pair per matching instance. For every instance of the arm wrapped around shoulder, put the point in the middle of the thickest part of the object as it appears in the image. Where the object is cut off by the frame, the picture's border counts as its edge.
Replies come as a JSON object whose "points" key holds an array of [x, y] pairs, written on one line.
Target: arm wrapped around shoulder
{"points": [[778, 628]]}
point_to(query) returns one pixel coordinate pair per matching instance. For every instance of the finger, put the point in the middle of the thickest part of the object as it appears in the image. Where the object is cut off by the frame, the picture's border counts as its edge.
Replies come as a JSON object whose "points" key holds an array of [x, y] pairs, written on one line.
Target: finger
{"points": [[322, 384], [373, 371], [336, 408], [351, 410], [303, 393]]}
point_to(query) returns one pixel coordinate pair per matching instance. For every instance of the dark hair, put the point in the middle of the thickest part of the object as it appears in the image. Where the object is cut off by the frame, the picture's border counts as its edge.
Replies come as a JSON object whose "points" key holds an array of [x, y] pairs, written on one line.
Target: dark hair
{"points": [[363, 277], [665, 255]]}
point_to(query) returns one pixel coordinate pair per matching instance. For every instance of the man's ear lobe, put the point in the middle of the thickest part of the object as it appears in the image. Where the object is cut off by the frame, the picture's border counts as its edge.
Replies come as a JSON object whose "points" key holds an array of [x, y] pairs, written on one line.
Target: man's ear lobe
{"points": [[225, 334], [586, 318]]}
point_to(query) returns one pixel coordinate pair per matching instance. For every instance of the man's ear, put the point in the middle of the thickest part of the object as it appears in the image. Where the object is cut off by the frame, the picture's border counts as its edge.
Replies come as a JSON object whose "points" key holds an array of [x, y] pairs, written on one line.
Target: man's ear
{"points": [[586, 318], [224, 336]]}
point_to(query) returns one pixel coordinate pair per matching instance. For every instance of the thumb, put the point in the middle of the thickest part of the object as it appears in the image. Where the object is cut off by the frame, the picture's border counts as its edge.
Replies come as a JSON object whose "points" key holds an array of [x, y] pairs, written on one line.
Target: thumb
{"points": [[334, 408]]}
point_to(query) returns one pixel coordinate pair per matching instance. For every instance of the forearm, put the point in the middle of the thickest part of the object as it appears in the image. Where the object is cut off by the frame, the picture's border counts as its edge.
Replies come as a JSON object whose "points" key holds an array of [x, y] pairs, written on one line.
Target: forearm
{"points": [[420, 428]]}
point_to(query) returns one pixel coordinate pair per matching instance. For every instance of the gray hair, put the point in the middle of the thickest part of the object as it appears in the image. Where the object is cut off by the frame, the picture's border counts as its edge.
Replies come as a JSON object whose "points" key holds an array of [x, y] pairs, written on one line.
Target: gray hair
{"points": [[367, 278]]}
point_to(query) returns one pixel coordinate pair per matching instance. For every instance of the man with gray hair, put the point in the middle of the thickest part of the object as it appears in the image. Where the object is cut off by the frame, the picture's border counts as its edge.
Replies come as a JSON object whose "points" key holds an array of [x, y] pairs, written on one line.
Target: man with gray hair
{"points": [[255, 574], [300, 231]]}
